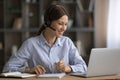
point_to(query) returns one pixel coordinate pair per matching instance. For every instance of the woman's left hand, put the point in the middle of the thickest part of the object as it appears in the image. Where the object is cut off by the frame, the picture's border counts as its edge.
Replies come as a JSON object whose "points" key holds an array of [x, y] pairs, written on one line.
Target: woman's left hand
{"points": [[60, 66]]}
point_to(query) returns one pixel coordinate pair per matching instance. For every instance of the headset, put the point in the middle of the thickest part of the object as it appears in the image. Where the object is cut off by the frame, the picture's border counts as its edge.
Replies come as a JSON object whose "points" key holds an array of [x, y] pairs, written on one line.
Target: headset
{"points": [[47, 21]]}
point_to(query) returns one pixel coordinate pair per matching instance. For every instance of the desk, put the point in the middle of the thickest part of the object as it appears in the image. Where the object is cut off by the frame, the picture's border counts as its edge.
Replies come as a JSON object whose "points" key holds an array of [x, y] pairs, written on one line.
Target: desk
{"points": [[67, 77]]}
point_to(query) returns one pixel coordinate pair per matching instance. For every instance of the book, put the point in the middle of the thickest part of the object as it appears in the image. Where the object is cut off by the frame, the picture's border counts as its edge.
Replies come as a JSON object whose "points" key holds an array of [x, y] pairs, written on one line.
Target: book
{"points": [[79, 4], [70, 23], [91, 5], [17, 75], [52, 75], [17, 24], [80, 48]]}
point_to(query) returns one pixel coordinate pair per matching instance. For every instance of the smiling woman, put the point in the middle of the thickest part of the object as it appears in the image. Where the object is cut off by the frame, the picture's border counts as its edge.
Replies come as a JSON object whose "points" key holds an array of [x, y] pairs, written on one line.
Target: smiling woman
{"points": [[49, 51], [52, 14], [60, 26]]}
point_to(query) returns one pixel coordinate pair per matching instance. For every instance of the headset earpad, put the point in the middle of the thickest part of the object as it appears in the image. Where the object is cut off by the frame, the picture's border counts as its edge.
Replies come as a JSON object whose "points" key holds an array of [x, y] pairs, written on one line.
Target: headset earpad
{"points": [[48, 22]]}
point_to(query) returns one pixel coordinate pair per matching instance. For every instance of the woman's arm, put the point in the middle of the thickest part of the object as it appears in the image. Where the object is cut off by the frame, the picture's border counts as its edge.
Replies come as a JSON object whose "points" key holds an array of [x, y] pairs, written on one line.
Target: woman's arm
{"points": [[18, 59], [75, 60]]}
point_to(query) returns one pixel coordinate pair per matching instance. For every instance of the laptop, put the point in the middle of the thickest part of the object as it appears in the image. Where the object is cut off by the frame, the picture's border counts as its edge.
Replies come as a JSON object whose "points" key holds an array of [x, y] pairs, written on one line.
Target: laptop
{"points": [[102, 61]]}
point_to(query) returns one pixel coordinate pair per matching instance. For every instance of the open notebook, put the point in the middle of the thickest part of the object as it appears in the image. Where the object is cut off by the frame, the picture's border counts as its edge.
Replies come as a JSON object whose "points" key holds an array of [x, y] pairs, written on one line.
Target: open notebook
{"points": [[17, 75], [52, 75], [26, 75], [103, 61]]}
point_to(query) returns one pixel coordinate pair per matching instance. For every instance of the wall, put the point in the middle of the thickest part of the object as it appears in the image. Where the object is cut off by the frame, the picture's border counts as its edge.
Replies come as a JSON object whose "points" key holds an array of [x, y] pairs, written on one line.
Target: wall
{"points": [[101, 14]]}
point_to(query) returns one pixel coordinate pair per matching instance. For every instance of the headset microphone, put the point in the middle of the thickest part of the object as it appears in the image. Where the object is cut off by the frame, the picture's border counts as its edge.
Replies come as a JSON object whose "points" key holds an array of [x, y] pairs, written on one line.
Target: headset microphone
{"points": [[52, 28]]}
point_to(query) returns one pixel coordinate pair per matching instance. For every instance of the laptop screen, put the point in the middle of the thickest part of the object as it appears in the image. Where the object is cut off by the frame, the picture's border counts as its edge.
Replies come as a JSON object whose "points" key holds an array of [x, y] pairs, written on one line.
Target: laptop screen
{"points": [[104, 61]]}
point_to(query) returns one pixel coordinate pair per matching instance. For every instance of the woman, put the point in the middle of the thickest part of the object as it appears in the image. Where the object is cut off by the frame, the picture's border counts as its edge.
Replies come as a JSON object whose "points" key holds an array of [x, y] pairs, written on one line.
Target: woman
{"points": [[50, 51]]}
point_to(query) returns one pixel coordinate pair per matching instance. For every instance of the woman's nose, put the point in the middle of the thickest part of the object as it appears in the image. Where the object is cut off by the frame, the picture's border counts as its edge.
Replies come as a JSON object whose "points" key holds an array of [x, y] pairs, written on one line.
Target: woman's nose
{"points": [[64, 27]]}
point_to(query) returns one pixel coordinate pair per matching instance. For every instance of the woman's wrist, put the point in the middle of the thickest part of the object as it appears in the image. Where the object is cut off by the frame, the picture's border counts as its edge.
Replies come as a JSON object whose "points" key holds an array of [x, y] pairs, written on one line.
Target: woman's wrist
{"points": [[68, 69]]}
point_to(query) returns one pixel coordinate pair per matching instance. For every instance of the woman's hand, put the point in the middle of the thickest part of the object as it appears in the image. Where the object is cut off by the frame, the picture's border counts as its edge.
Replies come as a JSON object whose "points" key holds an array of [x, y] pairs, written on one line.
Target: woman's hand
{"points": [[36, 70], [60, 66]]}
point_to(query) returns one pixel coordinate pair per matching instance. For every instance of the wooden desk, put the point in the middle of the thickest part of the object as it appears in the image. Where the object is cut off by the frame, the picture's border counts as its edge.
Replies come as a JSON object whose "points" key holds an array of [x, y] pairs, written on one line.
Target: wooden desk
{"points": [[67, 77]]}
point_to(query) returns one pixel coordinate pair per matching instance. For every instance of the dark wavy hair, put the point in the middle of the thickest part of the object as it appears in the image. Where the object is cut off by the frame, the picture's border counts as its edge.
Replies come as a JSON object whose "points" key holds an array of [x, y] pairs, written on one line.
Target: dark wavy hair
{"points": [[54, 12]]}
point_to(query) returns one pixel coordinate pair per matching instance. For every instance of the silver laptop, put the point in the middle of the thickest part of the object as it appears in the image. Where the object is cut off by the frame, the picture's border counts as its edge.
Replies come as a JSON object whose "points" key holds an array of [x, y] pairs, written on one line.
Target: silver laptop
{"points": [[103, 61]]}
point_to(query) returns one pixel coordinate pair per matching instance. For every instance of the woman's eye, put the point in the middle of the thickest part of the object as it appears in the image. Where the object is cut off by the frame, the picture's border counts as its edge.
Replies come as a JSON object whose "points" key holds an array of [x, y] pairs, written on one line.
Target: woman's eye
{"points": [[60, 23]]}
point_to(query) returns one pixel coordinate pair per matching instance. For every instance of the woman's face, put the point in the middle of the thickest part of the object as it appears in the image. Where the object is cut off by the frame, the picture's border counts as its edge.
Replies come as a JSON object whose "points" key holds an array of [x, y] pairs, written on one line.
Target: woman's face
{"points": [[60, 26]]}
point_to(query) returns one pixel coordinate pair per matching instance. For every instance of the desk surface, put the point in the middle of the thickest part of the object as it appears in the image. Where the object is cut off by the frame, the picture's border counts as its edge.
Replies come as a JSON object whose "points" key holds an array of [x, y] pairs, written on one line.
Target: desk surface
{"points": [[67, 77]]}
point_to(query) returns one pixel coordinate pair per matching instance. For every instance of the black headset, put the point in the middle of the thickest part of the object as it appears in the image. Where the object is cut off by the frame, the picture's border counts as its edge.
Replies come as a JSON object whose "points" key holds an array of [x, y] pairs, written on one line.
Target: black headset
{"points": [[48, 22]]}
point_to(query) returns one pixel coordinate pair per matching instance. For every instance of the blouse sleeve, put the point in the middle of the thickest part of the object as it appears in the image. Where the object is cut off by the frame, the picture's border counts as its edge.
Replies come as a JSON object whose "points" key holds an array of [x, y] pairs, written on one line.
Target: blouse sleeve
{"points": [[18, 59], [75, 60]]}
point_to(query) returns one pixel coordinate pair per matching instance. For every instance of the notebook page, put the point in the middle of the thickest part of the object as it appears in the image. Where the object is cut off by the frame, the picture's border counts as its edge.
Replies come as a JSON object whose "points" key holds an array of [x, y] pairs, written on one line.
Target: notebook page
{"points": [[53, 75]]}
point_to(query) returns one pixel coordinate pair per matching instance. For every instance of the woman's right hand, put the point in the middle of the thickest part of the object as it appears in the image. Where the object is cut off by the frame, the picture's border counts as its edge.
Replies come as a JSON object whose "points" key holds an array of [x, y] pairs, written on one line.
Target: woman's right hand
{"points": [[36, 70]]}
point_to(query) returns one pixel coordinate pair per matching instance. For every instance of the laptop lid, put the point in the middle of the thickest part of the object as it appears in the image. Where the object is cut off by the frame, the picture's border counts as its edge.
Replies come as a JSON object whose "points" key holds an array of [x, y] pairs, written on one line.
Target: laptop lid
{"points": [[103, 61]]}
